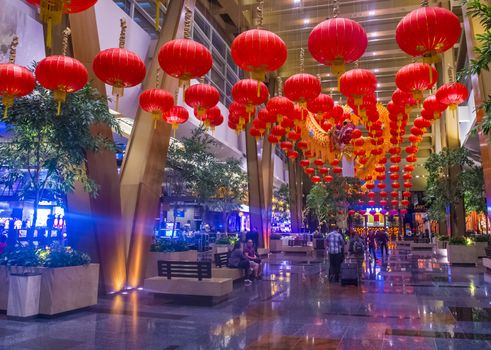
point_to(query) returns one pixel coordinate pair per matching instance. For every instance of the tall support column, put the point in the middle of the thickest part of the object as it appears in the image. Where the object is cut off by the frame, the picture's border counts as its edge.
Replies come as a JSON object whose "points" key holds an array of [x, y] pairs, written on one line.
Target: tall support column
{"points": [[143, 167], [481, 87], [296, 194], [267, 170], [456, 213], [95, 223]]}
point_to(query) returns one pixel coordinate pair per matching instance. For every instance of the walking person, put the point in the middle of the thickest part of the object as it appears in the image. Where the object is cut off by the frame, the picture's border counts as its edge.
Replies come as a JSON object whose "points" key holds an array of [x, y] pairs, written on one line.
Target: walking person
{"points": [[335, 248], [372, 249], [357, 250], [382, 241]]}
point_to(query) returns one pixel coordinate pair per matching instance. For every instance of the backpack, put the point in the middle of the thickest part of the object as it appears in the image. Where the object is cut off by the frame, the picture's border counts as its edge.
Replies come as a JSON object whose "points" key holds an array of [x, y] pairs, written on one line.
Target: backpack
{"points": [[358, 247]]}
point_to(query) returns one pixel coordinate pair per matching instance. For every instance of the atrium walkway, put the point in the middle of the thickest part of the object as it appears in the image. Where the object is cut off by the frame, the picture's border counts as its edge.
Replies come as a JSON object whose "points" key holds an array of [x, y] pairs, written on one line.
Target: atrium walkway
{"points": [[412, 302]]}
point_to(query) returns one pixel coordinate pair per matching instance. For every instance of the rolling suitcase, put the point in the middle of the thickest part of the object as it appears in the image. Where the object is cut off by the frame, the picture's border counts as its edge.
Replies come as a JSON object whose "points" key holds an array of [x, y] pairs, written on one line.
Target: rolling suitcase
{"points": [[349, 272]]}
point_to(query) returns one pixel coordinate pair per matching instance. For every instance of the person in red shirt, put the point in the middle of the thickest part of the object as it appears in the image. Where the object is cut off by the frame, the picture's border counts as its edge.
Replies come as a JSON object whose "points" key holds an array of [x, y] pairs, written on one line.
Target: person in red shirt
{"points": [[250, 254]]}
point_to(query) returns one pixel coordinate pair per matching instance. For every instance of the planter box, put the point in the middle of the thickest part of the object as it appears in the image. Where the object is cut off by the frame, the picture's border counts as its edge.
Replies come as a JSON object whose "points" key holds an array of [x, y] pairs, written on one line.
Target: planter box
{"points": [[153, 257], [4, 287], [70, 288], [461, 254], [481, 249], [275, 245], [24, 295]]}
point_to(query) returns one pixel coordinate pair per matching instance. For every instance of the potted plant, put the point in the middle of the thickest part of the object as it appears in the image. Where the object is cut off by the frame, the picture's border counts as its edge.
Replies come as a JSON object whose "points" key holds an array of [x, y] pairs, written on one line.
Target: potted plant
{"points": [[481, 243], [461, 250], [224, 244], [170, 250], [275, 244]]}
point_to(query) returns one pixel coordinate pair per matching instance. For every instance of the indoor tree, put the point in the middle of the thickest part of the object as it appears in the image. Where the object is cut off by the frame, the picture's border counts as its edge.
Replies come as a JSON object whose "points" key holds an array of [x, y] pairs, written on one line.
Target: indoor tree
{"points": [[43, 155]]}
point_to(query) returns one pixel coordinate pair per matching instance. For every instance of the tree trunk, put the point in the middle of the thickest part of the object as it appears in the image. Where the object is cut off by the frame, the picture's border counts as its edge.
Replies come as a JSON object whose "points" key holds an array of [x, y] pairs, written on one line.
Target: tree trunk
{"points": [[175, 220], [225, 224]]}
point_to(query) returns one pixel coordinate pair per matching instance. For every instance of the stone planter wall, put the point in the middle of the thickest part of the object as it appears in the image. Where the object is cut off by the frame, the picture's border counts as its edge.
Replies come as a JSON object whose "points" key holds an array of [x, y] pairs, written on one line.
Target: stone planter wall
{"points": [[461, 254], [68, 288], [4, 287], [153, 257], [275, 246], [481, 249]]}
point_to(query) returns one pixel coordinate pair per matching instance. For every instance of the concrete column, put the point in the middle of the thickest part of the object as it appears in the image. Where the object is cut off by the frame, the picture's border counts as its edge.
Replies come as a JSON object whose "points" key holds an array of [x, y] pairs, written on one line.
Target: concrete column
{"points": [[296, 194]]}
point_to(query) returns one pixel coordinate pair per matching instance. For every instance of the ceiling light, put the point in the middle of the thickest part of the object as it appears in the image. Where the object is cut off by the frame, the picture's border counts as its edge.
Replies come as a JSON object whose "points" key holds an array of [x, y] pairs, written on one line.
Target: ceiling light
{"points": [[374, 53], [296, 1], [417, 176], [378, 85], [371, 13], [376, 70], [306, 21]]}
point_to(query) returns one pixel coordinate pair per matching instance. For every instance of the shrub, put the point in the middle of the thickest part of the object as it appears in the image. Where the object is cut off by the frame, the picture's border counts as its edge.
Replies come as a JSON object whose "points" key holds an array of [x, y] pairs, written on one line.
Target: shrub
{"points": [[164, 245], [442, 238], [481, 238], [226, 240], [54, 256], [460, 241]]}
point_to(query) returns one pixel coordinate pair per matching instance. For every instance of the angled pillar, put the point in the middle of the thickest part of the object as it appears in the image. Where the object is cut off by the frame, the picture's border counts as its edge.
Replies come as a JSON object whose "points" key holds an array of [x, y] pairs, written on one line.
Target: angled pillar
{"points": [[267, 170], [143, 167], [481, 87], [456, 212], [296, 195], [95, 223]]}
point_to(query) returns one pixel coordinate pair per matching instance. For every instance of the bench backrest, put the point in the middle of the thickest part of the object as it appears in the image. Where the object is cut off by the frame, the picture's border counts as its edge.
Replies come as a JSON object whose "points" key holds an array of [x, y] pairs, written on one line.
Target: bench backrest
{"points": [[221, 259], [188, 269]]}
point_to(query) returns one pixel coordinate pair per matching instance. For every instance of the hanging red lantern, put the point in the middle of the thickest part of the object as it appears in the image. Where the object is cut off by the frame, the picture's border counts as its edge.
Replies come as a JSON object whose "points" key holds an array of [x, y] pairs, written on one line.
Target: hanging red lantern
{"points": [[245, 91], [258, 51], [407, 176], [156, 102], [406, 194], [371, 194], [362, 212], [403, 211], [302, 88], [273, 139], [358, 83], [411, 149], [428, 31], [118, 67], [409, 168], [394, 176], [302, 144], [175, 116], [319, 162], [383, 202], [267, 117], [422, 123], [405, 202], [292, 154], [414, 139], [326, 126], [201, 97], [337, 170], [15, 80], [452, 94], [323, 170], [355, 134], [256, 133], [396, 184], [416, 131], [394, 194], [411, 159], [328, 178], [335, 162], [381, 177], [309, 171], [304, 163], [383, 194], [416, 78], [381, 185], [370, 185], [213, 117], [293, 135], [408, 184], [337, 41], [371, 203], [434, 106], [52, 11], [320, 105], [286, 145], [316, 179], [62, 75], [394, 168], [394, 202], [280, 107]]}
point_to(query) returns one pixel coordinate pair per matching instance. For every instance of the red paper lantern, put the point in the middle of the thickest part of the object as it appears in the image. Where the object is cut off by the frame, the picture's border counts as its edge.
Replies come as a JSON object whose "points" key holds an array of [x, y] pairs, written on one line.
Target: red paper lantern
{"points": [[302, 144], [302, 87], [383, 194], [406, 194], [383, 202], [403, 211], [175, 116], [362, 212], [394, 176], [156, 102], [408, 168], [416, 78], [321, 104], [326, 126], [394, 168], [286, 145], [184, 59], [381, 185], [337, 41], [394, 202], [250, 93], [15, 81], [411, 149], [258, 51], [316, 179], [201, 97], [452, 94], [411, 159], [337, 170], [319, 162], [355, 134], [273, 139], [396, 184], [267, 117], [371, 203], [370, 185], [328, 178], [213, 117], [280, 107], [408, 184], [62, 75], [357, 83], [428, 31], [405, 202], [434, 106], [304, 163], [394, 194], [371, 194], [256, 133], [416, 131], [323, 170], [119, 68], [309, 171], [422, 123], [335, 162], [407, 176], [292, 154]]}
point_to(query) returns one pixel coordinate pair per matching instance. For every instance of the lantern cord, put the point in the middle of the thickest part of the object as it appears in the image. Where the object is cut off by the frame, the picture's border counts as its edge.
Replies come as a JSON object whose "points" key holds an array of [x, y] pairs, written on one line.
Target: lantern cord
{"points": [[187, 22], [279, 90], [320, 79], [260, 13], [49, 30], [450, 74], [13, 49], [424, 3], [302, 59], [335, 9], [122, 35], [157, 15], [66, 35], [157, 78], [202, 80]]}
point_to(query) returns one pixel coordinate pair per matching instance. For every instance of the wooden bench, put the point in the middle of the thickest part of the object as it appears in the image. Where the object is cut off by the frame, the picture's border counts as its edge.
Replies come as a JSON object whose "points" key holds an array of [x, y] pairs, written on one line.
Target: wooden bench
{"points": [[221, 269], [189, 281]]}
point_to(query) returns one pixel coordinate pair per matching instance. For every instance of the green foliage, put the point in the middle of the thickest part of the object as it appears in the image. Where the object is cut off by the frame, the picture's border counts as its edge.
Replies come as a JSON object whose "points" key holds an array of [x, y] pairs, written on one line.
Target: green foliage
{"points": [[481, 11], [228, 240], [442, 192], [45, 152], [325, 200], [167, 245], [481, 238], [219, 185], [442, 238], [460, 241], [54, 256]]}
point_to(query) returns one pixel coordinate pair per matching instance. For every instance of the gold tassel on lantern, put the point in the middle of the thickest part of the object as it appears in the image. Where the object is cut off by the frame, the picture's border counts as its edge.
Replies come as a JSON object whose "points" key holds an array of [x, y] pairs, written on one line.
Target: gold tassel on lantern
{"points": [[157, 14], [51, 13]]}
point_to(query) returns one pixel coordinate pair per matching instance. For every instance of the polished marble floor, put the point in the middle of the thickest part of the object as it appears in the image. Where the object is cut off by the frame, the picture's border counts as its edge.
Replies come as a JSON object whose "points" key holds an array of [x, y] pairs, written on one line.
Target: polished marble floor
{"points": [[411, 301]]}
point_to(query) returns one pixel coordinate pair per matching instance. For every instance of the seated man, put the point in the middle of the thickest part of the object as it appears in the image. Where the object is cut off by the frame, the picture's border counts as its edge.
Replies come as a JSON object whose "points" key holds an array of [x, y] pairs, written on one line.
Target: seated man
{"points": [[254, 260], [238, 260]]}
